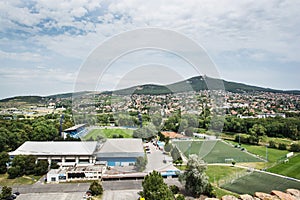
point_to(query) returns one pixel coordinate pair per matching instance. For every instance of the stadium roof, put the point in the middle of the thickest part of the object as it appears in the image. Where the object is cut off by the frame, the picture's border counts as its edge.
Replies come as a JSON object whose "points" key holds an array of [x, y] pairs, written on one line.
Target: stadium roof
{"points": [[73, 128], [122, 146], [55, 148]]}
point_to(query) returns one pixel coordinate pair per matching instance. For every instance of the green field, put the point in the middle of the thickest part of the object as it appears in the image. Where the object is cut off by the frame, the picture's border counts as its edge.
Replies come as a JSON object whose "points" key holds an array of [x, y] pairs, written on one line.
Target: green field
{"points": [[291, 168], [108, 133], [212, 151], [273, 154], [218, 173], [260, 182]]}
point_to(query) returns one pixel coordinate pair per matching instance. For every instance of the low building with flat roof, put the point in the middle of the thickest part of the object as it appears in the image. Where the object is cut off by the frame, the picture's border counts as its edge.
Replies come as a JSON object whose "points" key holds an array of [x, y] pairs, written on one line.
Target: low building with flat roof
{"points": [[121, 152], [64, 153]]}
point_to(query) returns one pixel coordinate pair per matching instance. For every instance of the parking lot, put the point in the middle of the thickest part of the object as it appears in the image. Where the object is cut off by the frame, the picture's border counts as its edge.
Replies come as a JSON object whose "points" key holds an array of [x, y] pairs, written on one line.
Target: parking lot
{"points": [[51, 196]]}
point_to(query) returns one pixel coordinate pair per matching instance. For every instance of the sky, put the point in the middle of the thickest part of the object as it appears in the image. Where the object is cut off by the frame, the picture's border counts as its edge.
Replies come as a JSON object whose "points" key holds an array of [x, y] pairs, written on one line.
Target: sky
{"points": [[45, 44]]}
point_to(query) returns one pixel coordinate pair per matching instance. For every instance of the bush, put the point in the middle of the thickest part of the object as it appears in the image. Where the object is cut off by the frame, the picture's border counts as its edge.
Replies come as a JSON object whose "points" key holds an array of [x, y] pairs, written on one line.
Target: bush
{"points": [[96, 188], [282, 146], [168, 147], [272, 144], [14, 172], [174, 189], [180, 197], [295, 147], [6, 192]]}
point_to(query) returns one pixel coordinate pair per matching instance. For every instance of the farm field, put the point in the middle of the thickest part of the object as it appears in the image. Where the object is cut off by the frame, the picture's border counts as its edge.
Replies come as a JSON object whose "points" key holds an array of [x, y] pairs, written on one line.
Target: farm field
{"points": [[291, 168], [212, 151], [260, 182], [108, 133]]}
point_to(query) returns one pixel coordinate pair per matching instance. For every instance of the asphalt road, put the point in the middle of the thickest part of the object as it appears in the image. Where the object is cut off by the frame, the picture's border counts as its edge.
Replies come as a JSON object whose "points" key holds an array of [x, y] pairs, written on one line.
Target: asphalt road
{"points": [[51, 196], [155, 159], [123, 185], [120, 195], [52, 188]]}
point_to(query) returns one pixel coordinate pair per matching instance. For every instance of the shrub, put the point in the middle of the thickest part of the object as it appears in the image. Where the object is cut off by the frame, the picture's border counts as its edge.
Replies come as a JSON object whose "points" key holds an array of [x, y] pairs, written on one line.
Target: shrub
{"points": [[96, 188], [174, 189], [272, 144], [282, 146], [295, 147]]}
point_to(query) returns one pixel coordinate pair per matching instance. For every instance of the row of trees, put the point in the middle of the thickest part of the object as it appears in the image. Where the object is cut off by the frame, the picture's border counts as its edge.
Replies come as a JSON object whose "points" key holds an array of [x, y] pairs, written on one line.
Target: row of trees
{"points": [[271, 127], [27, 165], [14, 133]]}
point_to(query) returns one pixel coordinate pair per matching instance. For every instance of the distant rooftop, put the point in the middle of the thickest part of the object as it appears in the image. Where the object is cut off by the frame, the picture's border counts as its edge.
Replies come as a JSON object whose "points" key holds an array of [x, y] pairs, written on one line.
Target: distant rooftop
{"points": [[55, 148]]}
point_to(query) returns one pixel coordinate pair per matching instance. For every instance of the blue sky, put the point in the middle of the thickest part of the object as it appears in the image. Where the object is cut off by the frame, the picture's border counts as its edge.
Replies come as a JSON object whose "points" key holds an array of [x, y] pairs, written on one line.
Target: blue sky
{"points": [[44, 43]]}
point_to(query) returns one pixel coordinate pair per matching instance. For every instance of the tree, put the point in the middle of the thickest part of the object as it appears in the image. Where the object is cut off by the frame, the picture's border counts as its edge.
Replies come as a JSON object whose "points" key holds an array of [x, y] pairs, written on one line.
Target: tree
{"points": [[4, 159], [141, 163], [154, 188], [96, 188], [14, 172], [3, 138], [25, 162], [295, 147], [156, 121], [180, 197], [282, 146], [189, 132], [168, 147], [146, 132], [272, 144], [6, 192], [41, 167], [194, 178], [174, 189], [175, 153]]}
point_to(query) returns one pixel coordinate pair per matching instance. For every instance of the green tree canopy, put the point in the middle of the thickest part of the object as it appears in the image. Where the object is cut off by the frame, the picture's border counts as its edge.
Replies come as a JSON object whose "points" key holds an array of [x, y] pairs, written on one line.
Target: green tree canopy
{"points": [[194, 177], [96, 188], [4, 158], [146, 132], [154, 188]]}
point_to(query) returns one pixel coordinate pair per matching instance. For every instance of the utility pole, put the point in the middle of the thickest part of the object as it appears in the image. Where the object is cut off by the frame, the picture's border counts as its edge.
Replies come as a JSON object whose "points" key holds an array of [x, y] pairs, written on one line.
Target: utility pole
{"points": [[266, 152]]}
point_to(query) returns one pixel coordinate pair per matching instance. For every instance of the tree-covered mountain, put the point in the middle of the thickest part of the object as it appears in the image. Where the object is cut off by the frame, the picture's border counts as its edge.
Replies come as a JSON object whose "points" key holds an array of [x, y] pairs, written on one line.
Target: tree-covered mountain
{"points": [[197, 83]]}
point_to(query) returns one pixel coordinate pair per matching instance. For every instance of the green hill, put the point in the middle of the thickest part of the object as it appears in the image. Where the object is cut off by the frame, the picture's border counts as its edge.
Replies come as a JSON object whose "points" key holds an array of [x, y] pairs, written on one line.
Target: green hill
{"points": [[198, 83]]}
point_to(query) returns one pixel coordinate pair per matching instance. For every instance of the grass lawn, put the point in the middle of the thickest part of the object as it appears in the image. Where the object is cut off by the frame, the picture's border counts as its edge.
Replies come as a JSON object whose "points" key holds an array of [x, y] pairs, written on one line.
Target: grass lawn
{"points": [[220, 192], [273, 154], [108, 133], [218, 173], [24, 180], [291, 168], [259, 182], [214, 151]]}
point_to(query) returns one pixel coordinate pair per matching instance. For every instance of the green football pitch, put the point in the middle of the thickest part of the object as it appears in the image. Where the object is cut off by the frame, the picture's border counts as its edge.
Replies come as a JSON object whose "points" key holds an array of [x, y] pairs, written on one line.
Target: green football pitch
{"points": [[215, 151], [108, 133], [260, 182]]}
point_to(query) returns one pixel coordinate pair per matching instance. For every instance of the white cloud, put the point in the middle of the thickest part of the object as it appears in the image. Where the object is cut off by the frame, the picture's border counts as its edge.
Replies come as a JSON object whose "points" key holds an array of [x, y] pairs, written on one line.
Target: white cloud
{"points": [[23, 56], [242, 33]]}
